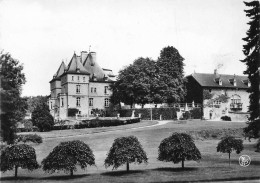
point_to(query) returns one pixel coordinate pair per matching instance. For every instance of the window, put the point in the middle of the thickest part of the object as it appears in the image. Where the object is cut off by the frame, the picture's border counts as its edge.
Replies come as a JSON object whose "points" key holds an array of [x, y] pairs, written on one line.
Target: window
{"points": [[78, 102], [51, 105], [90, 101], [62, 103], [216, 102], [72, 78], [77, 88], [83, 79], [235, 99], [78, 78], [95, 90], [106, 89], [106, 102]]}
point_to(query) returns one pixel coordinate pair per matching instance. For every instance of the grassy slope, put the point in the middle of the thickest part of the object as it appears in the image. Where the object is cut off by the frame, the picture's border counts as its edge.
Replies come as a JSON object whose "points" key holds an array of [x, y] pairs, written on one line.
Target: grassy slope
{"points": [[213, 166]]}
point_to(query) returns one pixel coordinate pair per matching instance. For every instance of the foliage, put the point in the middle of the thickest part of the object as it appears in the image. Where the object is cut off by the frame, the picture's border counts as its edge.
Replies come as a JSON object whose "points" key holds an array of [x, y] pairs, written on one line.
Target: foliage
{"points": [[29, 138], [229, 144], [222, 98], [196, 113], [72, 111], [252, 52], [225, 118], [99, 112], [33, 102], [207, 95], [13, 107], [258, 146], [170, 64], [254, 127], [125, 150], [167, 113], [67, 155], [15, 156], [42, 118], [137, 83], [178, 148], [186, 115]]}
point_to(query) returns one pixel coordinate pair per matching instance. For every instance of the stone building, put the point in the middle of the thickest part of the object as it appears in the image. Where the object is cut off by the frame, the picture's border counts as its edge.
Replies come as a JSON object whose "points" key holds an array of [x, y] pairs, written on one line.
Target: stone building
{"points": [[82, 86], [218, 86]]}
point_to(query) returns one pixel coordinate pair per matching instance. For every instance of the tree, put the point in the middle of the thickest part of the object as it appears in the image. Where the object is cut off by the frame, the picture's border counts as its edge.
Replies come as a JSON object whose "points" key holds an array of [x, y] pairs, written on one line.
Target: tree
{"points": [[125, 150], [252, 52], [15, 156], [33, 102], [171, 74], [137, 83], [229, 144], [13, 107], [179, 147], [42, 118], [67, 155]]}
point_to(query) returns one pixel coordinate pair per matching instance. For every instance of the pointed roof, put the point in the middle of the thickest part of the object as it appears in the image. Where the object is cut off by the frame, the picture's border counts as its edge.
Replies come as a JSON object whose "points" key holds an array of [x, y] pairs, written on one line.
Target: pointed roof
{"points": [[94, 69], [59, 72], [76, 67]]}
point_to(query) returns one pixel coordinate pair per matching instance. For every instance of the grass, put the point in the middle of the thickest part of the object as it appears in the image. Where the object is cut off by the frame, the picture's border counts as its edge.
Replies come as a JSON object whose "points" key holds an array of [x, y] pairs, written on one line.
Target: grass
{"points": [[213, 167]]}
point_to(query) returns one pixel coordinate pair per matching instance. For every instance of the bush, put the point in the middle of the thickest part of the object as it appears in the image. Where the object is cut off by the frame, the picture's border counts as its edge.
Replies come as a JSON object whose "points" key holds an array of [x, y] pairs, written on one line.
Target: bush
{"points": [[229, 144], [29, 138], [125, 150], [99, 112], [167, 113], [67, 155], [196, 113], [15, 156], [42, 118], [178, 148], [72, 112], [186, 115], [225, 118]]}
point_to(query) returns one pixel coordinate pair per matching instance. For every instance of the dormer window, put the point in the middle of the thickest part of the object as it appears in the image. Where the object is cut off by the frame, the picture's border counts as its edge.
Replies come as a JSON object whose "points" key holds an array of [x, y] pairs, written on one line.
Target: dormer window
{"points": [[77, 70], [218, 81], [233, 82], [247, 82]]}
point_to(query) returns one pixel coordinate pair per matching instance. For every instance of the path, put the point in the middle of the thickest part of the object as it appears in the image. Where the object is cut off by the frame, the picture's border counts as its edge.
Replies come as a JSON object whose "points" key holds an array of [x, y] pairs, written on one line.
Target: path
{"points": [[86, 134]]}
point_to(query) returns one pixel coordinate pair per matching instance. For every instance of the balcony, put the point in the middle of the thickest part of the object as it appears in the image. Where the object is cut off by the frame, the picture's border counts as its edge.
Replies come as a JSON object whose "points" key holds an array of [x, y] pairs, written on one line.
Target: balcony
{"points": [[236, 106]]}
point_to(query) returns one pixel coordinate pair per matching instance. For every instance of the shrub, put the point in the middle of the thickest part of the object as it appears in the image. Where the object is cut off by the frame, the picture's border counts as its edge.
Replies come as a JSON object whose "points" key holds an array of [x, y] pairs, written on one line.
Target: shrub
{"points": [[229, 144], [196, 113], [72, 111], [225, 118], [178, 148], [29, 138], [99, 112], [186, 115], [67, 155], [42, 118], [15, 156], [125, 150]]}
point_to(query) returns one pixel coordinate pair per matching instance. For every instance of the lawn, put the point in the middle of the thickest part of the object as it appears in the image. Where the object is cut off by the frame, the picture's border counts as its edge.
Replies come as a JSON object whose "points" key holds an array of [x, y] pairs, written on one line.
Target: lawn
{"points": [[213, 166]]}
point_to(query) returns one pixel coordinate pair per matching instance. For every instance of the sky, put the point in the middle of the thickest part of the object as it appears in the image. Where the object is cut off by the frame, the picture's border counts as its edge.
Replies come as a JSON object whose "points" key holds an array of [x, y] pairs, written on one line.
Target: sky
{"points": [[43, 33]]}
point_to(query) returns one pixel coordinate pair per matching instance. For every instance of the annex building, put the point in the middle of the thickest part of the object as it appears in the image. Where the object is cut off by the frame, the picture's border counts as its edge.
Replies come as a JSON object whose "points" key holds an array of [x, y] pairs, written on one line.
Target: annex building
{"points": [[82, 85], [233, 87]]}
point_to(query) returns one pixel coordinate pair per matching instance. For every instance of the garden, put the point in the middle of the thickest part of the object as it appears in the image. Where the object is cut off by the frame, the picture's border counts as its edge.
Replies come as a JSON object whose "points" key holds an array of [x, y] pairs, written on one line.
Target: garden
{"points": [[102, 160]]}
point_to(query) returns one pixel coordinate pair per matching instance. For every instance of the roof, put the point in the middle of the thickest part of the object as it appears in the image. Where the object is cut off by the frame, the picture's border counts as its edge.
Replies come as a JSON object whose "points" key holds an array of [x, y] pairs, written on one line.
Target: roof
{"points": [[75, 66], [59, 72], [209, 80], [96, 72]]}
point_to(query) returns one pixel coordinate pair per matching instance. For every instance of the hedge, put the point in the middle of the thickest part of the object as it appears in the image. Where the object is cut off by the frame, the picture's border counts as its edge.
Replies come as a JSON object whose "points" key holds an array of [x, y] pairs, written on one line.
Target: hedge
{"points": [[167, 113], [226, 118], [29, 138], [195, 113]]}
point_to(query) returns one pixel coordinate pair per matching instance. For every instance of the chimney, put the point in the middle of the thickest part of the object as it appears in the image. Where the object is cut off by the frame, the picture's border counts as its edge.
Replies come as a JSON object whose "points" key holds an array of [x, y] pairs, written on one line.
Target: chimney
{"points": [[93, 58], [84, 55], [215, 71]]}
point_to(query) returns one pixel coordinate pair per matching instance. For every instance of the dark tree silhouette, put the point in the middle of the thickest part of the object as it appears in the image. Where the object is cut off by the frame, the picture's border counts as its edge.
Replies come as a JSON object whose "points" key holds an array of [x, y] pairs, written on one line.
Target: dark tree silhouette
{"points": [[13, 107], [229, 144], [125, 150], [252, 52], [15, 156], [67, 155], [179, 147]]}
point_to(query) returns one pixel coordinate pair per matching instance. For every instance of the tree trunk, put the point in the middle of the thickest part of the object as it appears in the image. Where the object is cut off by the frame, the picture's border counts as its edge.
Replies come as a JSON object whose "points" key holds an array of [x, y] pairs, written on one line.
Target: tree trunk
{"points": [[16, 170], [182, 163], [71, 172], [229, 158], [127, 167]]}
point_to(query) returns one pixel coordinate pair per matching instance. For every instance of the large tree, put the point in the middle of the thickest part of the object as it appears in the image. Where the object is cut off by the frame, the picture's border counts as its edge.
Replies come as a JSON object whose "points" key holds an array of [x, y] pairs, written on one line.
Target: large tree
{"points": [[138, 83], [171, 74], [33, 102], [13, 107], [252, 52]]}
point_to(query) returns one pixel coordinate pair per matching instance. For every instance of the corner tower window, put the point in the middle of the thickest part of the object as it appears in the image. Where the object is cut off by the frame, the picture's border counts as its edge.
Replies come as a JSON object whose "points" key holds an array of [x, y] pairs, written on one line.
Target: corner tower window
{"points": [[77, 88], [78, 102]]}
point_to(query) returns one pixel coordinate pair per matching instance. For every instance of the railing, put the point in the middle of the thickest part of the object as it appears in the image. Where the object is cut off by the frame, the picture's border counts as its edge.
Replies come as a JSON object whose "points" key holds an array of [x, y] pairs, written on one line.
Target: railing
{"points": [[236, 105], [81, 116], [189, 105]]}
